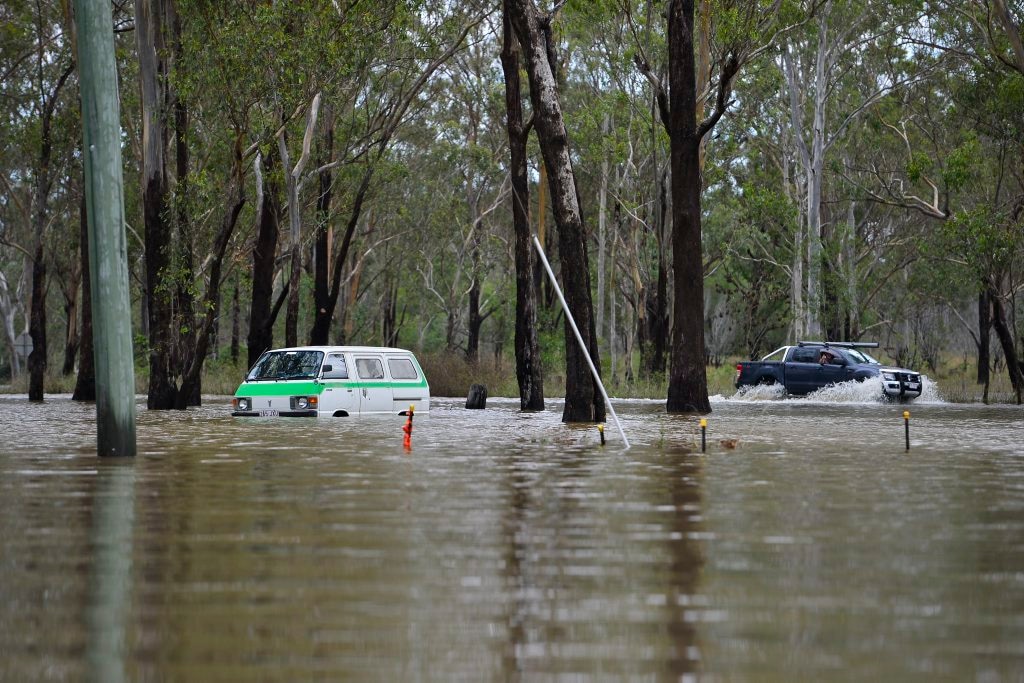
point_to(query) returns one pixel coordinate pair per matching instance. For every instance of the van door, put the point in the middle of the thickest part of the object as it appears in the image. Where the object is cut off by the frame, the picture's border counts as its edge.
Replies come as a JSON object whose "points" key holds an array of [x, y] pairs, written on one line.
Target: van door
{"points": [[374, 388], [408, 386], [339, 396]]}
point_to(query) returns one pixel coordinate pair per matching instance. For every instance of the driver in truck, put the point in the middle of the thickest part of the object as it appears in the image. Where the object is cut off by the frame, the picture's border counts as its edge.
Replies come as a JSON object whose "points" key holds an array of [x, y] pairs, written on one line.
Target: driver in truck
{"points": [[825, 358]]}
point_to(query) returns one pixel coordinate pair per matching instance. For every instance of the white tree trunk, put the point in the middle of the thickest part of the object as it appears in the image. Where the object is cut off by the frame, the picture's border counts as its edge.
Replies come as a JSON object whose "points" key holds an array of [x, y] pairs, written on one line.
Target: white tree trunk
{"points": [[602, 222]]}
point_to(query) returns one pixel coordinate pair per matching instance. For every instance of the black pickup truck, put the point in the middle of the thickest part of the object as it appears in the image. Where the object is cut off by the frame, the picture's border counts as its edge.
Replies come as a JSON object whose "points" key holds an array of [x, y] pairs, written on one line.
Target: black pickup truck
{"points": [[810, 365]]}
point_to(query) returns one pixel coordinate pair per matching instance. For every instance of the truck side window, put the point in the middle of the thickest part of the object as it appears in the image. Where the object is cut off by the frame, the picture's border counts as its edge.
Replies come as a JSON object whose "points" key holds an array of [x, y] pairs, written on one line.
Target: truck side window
{"points": [[805, 355], [369, 368], [401, 368], [338, 368]]}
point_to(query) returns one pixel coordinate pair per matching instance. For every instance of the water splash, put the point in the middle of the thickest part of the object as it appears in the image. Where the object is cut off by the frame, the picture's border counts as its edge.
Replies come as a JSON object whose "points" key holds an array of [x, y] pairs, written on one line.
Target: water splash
{"points": [[868, 391]]}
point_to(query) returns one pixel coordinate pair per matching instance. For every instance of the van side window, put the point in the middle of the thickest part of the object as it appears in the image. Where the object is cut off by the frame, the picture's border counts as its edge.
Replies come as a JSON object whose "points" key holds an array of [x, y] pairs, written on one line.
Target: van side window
{"points": [[369, 368], [338, 368], [401, 368]]}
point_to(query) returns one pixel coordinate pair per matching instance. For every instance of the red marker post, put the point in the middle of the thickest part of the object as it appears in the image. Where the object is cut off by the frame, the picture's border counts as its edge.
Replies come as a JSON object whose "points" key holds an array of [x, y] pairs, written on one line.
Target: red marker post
{"points": [[407, 428]]}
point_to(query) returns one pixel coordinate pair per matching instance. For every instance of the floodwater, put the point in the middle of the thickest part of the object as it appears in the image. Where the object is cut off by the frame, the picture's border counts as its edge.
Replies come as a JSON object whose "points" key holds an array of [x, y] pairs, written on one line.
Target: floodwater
{"points": [[806, 544]]}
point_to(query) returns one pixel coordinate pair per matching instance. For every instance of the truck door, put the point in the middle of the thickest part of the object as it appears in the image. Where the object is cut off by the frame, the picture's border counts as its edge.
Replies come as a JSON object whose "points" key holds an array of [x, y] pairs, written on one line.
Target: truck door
{"points": [[830, 373], [339, 392], [374, 388], [801, 368]]}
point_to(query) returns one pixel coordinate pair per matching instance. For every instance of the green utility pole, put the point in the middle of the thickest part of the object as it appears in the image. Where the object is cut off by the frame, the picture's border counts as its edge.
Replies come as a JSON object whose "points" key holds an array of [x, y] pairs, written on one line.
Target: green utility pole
{"points": [[108, 253]]}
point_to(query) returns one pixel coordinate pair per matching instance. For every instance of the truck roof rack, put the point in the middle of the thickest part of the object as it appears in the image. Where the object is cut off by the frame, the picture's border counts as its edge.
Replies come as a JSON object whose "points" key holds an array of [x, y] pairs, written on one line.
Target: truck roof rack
{"points": [[840, 344]]}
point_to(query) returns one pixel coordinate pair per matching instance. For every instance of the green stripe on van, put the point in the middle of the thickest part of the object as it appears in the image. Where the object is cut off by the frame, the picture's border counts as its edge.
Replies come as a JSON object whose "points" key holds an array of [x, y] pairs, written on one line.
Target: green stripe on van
{"points": [[313, 388]]}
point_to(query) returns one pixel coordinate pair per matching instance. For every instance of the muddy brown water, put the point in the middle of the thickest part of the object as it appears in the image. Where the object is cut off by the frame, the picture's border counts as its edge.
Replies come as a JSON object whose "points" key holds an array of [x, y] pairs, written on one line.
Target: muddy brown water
{"points": [[806, 544]]}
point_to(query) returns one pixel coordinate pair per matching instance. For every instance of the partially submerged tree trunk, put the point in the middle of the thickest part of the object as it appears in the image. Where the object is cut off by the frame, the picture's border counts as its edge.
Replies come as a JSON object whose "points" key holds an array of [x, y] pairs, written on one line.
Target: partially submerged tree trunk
{"points": [[154, 77], [264, 254], [583, 401], [37, 326], [85, 381], [211, 303], [1006, 341], [688, 386], [41, 184]]}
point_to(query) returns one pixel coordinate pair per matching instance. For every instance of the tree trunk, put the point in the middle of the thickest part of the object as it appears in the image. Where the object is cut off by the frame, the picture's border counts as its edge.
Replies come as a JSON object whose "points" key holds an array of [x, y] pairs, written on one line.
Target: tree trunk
{"points": [[688, 387], [323, 315], [984, 332], [322, 252], [236, 327], [37, 327], [474, 323], [529, 373], [657, 317], [40, 199], [191, 378], [583, 401], [150, 29], [85, 382], [264, 254], [71, 339], [1006, 341], [602, 231]]}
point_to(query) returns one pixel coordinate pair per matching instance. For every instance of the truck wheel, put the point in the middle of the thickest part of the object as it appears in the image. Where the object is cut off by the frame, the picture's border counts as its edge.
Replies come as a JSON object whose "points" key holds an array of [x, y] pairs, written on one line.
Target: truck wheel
{"points": [[766, 380]]}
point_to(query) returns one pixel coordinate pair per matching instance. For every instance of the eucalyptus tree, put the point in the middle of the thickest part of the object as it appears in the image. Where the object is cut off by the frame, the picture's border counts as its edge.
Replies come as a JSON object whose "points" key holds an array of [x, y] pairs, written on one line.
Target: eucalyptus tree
{"points": [[404, 58], [37, 66], [959, 142], [529, 368], [690, 107], [847, 58], [583, 400]]}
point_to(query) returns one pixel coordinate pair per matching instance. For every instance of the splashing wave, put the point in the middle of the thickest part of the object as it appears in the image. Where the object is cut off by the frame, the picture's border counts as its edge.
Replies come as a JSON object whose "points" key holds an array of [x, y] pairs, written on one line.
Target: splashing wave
{"points": [[868, 391]]}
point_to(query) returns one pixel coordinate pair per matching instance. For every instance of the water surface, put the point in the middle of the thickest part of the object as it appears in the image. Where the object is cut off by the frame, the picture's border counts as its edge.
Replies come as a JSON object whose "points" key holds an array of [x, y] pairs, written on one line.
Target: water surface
{"points": [[806, 544]]}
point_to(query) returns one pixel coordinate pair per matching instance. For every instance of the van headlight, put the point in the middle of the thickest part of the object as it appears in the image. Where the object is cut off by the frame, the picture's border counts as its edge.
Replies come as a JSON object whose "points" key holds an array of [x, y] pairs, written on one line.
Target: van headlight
{"points": [[889, 376], [303, 402], [242, 404]]}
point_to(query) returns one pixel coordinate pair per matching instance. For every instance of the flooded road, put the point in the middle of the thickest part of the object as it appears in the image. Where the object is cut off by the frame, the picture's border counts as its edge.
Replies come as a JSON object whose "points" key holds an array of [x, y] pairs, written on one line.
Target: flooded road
{"points": [[806, 544]]}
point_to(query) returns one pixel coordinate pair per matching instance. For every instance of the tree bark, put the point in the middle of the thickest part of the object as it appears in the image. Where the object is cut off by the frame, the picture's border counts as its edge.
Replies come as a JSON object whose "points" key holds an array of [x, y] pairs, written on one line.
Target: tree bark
{"points": [[323, 315], [264, 254], [191, 378], [37, 327], [1005, 336], [154, 77], [85, 381], [688, 387], [984, 332], [41, 185], [529, 372], [322, 253], [583, 401], [235, 323]]}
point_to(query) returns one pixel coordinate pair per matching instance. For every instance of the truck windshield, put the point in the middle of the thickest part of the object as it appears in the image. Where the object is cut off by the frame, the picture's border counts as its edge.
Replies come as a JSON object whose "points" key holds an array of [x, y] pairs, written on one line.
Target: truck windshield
{"points": [[861, 357], [286, 365]]}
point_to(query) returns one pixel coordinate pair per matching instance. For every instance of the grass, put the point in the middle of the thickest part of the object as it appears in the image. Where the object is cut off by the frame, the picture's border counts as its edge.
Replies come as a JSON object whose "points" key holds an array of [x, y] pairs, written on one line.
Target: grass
{"points": [[451, 375]]}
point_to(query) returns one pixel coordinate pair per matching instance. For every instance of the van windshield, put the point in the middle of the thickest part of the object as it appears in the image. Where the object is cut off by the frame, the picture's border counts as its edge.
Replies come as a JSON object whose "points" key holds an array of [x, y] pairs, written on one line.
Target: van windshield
{"points": [[286, 365]]}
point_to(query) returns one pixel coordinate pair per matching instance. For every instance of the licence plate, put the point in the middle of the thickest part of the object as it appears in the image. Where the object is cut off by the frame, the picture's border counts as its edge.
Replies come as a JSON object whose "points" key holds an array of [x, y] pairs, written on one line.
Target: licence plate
{"points": [[268, 413], [913, 385]]}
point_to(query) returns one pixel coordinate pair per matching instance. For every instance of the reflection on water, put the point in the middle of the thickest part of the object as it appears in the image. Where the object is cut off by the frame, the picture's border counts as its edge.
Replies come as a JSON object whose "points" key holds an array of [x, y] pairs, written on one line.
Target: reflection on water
{"points": [[511, 547]]}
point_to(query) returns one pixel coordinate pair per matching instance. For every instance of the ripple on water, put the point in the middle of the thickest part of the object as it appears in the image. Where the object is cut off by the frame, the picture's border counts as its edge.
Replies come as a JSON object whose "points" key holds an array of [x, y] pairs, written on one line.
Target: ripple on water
{"points": [[508, 546]]}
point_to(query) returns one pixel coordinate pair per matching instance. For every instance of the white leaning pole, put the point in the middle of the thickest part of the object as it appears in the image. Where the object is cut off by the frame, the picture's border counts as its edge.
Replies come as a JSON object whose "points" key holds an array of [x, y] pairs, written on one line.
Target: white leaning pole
{"points": [[579, 337]]}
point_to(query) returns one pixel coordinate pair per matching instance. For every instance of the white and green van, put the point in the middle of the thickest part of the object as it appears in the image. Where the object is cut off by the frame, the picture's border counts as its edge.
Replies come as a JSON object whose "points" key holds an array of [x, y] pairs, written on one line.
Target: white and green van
{"points": [[332, 381]]}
